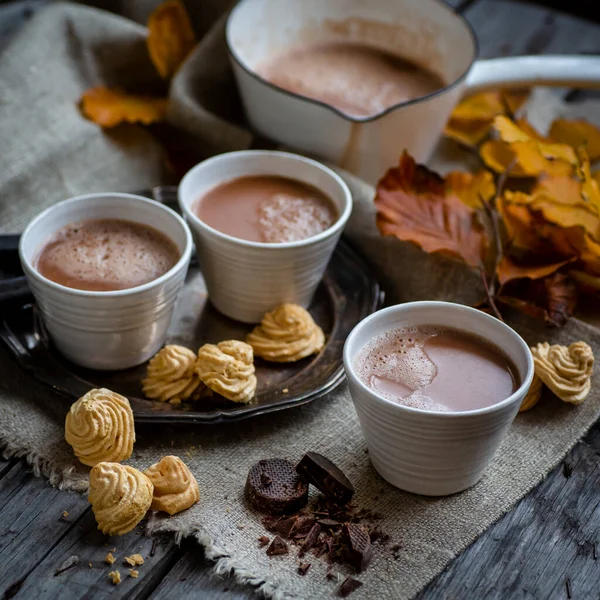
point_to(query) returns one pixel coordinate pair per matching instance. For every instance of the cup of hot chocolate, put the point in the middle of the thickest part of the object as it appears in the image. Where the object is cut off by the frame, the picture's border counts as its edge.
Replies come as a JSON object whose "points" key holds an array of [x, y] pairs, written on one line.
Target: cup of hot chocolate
{"points": [[265, 225], [105, 270], [436, 386]]}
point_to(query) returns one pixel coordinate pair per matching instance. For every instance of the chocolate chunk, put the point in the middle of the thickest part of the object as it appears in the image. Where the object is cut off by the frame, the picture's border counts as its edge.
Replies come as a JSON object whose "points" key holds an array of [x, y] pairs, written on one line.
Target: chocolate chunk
{"points": [[302, 527], [278, 546], [310, 540], [348, 586], [359, 549], [326, 477], [285, 493], [329, 523], [263, 540], [303, 568], [283, 526]]}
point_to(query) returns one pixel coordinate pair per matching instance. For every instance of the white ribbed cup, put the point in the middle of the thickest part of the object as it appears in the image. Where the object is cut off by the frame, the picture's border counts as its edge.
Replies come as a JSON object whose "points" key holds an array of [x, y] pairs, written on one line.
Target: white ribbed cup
{"points": [[427, 452], [246, 279], [109, 330]]}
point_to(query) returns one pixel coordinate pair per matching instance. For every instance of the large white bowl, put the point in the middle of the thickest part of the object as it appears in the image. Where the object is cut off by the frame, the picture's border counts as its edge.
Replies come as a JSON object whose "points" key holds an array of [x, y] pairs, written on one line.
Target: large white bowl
{"points": [[427, 452], [246, 279], [107, 330]]}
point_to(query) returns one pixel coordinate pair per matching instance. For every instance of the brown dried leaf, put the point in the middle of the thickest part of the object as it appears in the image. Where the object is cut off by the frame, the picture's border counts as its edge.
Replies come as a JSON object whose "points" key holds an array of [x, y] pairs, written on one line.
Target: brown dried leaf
{"points": [[170, 37], [110, 107], [412, 205], [508, 269]]}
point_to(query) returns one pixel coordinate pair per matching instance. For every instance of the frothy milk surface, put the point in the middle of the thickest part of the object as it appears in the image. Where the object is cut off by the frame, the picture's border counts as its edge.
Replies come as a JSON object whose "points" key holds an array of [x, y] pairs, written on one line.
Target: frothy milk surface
{"points": [[355, 78], [266, 208], [106, 255], [438, 369]]}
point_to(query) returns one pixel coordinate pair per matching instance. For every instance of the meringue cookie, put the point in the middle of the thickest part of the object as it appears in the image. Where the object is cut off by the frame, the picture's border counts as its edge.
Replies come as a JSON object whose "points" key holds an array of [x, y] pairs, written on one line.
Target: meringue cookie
{"points": [[286, 334], [120, 497], [228, 369], [533, 395], [170, 376], [99, 427], [175, 488], [567, 371]]}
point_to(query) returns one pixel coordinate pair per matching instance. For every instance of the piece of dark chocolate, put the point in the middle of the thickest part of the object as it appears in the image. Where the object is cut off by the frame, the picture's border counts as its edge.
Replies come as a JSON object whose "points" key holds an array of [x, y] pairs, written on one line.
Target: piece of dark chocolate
{"points": [[274, 487], [283, 526], [303, 568], [326, 477], [277, 546], [358, 545], [310, 540], [263, 540], [302, 527], [348, 586]]}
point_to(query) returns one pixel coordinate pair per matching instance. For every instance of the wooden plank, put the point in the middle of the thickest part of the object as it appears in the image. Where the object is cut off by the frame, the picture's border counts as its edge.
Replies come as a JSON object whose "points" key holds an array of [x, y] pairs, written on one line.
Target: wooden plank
{"points": [[192, 574], [547, 539], [90, 546], [505, 28]]}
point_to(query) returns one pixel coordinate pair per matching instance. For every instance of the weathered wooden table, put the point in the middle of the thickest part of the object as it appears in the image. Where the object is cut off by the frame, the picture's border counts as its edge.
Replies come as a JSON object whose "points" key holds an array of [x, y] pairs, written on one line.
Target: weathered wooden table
{"points": [[546, 547]]}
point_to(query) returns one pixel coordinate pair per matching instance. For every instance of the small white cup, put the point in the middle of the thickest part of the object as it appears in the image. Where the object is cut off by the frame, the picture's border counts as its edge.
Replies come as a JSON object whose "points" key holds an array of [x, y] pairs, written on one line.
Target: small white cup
{"points": [[427, 452], [107, 330], [246, 279]]}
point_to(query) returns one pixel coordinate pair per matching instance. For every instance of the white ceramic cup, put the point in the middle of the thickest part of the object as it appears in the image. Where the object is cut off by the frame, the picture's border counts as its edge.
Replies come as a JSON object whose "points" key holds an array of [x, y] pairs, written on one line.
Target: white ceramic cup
{"points": [[247, 279], [427, 32], [107, 330], [427, 452]]}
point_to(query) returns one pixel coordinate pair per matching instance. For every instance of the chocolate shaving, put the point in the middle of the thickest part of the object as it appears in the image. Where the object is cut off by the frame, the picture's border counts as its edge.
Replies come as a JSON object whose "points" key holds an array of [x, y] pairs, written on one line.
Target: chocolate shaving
{"points": [[358, 546], [310, 540], [303, 568], [348, 586], [329, 523], [263, 540], [278, 546], [283, 526], [265, 480]]}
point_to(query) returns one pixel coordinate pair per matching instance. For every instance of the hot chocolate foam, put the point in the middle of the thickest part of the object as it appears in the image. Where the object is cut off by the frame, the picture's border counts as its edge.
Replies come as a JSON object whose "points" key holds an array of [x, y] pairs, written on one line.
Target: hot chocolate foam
{"points": [[437, 369], [106, 254]]}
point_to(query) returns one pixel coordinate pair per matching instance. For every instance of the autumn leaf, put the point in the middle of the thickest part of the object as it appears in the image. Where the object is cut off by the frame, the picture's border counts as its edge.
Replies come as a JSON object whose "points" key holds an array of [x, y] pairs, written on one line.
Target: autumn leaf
{"points": [[552, 298], [590, 190], [508, 270], [471, 120], [170, 37], [109, 107], [471, 189], [412, 205], [576, 133]]}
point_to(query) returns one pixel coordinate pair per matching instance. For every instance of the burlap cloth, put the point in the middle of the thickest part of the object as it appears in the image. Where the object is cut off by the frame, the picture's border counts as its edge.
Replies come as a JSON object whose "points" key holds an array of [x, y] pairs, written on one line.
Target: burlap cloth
{"points": [[49, 152]]}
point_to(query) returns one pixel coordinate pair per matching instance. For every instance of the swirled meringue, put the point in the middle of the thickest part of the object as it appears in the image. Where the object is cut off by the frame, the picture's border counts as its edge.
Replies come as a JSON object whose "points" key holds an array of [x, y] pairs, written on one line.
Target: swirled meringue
{"points": [[175, 488], [170, 375], [228, 369], [120, 497], [533, 395], [286, 334], [567, 371], [99, 427]]}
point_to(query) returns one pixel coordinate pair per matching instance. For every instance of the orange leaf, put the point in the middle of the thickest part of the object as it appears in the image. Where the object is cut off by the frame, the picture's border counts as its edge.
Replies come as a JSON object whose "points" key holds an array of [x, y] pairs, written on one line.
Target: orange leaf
{"points": [[412, 205], [576, 133], [590, 190], [170, 37], [109, 107], [508, 270], [467, 132]]}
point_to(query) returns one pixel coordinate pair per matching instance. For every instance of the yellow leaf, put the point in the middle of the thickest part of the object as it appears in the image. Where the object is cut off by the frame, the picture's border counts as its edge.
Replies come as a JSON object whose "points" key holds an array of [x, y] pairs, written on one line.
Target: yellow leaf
{"points": [[514, 99], [468, 132], [471, 188], [170, 37], [510, 132], [590, 190], [109, 107], [576, 133], [485, 105]]}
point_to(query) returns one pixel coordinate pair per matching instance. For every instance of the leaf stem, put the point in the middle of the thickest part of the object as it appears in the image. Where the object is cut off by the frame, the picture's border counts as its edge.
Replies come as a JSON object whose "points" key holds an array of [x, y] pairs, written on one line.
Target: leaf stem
{"points": [[490, 297]]}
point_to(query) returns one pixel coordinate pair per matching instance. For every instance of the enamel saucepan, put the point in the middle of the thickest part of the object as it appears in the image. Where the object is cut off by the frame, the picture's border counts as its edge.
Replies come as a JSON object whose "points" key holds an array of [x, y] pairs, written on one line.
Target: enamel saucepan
{"points": [[426, 32]]}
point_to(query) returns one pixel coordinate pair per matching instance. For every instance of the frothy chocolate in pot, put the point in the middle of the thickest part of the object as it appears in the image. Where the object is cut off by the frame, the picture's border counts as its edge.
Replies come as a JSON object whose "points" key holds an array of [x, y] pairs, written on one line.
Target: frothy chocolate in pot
{"points": [[437, 369], [106, 254], [357, 79], [266, 208]]}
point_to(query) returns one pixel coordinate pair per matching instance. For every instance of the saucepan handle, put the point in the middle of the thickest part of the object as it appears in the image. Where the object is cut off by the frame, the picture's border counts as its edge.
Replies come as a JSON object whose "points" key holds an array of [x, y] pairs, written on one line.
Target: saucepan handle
{"points": [[525, 71]]}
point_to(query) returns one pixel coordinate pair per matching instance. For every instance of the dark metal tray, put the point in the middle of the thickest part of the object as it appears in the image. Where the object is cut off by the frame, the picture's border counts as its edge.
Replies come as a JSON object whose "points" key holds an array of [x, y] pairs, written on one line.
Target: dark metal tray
{"points": [[346, 295]]}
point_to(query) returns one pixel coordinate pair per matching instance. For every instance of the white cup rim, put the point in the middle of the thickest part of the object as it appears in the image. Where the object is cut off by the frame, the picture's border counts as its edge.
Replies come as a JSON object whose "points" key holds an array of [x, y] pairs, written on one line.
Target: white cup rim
{"points": [[399, 308], [339, 224], [32, 271]]}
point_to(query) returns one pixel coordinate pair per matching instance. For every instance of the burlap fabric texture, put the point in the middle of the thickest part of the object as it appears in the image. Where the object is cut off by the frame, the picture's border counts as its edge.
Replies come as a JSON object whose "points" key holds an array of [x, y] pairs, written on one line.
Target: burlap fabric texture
{"points": [[49, 152]]}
